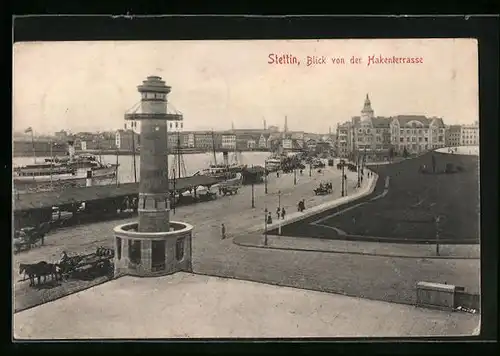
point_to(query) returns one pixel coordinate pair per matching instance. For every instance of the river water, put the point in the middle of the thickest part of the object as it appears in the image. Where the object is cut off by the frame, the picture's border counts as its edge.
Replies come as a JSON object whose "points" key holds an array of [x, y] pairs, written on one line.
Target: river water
{"points": [[192, 163]]}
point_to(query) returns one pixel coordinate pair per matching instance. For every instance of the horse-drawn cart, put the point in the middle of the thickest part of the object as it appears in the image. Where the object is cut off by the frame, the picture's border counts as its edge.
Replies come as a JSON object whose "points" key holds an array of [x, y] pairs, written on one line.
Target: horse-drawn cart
{"points": [[27, 237], [97, 262], [229, 190], [323, 189]]}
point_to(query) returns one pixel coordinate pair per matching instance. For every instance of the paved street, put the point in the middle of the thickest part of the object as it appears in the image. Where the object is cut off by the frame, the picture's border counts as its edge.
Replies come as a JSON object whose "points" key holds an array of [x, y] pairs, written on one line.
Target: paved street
{"points": [[382, 278]]}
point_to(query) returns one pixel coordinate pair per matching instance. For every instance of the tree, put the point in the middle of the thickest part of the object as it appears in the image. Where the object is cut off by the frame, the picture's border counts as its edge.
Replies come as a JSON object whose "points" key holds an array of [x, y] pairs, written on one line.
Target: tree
{"points": [[405, 153], [391, 153]]}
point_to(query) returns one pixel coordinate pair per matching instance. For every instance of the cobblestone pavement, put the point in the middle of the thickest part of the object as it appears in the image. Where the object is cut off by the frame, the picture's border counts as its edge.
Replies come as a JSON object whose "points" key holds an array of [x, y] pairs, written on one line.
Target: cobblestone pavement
{"points": [[382, 278]]}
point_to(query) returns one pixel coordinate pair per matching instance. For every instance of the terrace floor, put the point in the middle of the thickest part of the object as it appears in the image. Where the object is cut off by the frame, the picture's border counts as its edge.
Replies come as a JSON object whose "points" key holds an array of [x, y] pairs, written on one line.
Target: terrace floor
{"points": [[188, 305]]}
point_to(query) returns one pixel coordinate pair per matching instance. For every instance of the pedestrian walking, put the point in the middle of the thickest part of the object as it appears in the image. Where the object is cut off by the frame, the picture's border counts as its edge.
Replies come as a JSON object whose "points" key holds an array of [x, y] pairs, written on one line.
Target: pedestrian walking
{"points": [[283, 212], [223, 231], [269, 219], [277, 174], [278, 212]]}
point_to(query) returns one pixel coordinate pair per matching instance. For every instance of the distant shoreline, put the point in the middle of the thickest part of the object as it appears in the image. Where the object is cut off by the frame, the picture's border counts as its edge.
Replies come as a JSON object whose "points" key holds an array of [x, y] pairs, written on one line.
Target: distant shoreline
{"points": [[120, 153]]}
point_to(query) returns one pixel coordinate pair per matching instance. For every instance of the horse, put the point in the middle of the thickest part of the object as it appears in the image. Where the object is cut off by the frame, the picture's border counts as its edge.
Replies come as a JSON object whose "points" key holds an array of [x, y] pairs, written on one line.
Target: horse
{"points": [[37, 270]]}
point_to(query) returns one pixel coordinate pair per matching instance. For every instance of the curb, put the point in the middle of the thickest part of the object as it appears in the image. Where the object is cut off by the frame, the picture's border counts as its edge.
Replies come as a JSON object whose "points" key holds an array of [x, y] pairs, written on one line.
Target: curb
{"points": [[248, 245], [318, 209]]}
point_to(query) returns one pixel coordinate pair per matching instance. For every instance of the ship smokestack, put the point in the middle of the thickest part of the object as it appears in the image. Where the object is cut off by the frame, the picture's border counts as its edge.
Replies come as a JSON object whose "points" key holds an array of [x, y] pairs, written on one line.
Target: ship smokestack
{"points": [[71, 149], [225, 156], [88, 182]]}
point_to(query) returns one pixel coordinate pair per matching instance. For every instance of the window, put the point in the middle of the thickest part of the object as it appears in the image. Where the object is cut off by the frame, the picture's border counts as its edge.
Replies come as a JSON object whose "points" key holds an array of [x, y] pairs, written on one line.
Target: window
{"points": [[119, 248], [158, 255], [420, 139], [419, 132], [378, 131], [407, 132], [134, 251], [440, 138], [413, 139], [426, 139], [401, 132], [179, 249], [170, 125]]}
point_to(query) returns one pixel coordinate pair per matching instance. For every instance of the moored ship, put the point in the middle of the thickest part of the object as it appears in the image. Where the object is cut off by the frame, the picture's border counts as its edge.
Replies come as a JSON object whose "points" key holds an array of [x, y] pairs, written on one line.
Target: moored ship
{"points": [[71, 169]]}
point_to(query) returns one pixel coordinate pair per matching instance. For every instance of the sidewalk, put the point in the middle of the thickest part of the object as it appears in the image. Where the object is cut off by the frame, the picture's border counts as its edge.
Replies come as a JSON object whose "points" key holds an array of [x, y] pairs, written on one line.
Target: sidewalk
{"points": [[360, 247], [367, 187]]}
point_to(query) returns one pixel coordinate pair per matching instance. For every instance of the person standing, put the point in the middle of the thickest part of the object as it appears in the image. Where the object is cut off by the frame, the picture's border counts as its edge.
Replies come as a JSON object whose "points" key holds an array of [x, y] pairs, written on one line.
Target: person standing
{"points": [[223, 231], [283, 212], [278, 212], [269, 219]]}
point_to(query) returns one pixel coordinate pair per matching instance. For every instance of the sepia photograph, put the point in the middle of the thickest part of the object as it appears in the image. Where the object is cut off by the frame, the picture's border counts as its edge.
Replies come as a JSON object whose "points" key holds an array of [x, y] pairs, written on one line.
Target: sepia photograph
{"points": [[245, 189]]}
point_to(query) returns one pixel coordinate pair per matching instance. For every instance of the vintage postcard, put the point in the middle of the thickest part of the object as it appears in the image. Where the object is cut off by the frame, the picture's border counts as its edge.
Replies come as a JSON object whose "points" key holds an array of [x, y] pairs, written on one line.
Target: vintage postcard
{"points": [[214, 189]]}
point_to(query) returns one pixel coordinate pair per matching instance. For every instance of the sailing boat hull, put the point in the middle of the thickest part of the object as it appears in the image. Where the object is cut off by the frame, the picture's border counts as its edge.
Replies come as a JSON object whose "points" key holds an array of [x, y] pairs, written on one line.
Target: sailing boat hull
{"points": [[81, 175]]}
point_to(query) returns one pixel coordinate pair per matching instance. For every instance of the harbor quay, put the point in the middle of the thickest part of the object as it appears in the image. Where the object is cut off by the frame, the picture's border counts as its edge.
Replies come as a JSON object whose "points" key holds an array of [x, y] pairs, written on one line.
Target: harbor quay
{"points": [[234, 211], [384, 278]]}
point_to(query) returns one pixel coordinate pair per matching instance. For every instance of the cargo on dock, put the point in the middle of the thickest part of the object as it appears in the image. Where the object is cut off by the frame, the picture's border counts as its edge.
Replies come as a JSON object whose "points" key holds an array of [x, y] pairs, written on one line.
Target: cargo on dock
{"points": [[46, 200]]}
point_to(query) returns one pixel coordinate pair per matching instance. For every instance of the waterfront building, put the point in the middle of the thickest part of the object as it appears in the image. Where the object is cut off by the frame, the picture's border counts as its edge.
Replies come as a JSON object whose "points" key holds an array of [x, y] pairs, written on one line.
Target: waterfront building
{"points": [[207, 140], [228, 141], [311, 145], [251, 144], [287, 144], [191, 140], [469, 135], [126, 140], [263, 141]]}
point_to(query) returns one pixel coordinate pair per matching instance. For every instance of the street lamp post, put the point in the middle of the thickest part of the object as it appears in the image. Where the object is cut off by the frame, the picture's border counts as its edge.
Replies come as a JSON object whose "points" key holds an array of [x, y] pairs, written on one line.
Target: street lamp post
{"points": [[265, 227], [295, 176], [343, 190], [358, 168], [310, 169], [437, 235], [253, 194], [279, 199], [173, 202], [265, 177]]}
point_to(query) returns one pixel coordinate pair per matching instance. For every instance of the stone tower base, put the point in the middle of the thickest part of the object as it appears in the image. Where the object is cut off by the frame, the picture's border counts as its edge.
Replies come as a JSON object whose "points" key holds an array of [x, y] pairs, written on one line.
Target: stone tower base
{"points": [[152, 254]]}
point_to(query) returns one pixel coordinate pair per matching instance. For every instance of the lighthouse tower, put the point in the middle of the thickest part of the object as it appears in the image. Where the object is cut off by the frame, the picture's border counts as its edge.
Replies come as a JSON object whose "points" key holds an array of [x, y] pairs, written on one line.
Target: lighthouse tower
{"points": [[154, 245]]}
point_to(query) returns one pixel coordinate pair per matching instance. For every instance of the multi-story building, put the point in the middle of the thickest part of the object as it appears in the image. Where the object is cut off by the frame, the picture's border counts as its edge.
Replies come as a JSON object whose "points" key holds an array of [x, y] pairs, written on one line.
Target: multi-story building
{"points": [[228, 141], [344, 138], [469, 135], [417, 133], [453, 135], [190, 137], [251, 144], [263, 141], [126, 140], [287, 143], [207, 140], [376, 136]]}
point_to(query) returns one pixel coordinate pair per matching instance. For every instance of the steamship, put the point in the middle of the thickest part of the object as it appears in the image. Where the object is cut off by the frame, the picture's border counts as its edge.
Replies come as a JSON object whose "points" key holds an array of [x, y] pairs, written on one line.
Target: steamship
{"points": [[71, 169]]}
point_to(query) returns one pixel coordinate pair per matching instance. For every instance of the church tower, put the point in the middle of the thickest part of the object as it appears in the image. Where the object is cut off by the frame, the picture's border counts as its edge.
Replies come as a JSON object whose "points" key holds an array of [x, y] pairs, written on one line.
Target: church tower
{"points": [[367, 112]]}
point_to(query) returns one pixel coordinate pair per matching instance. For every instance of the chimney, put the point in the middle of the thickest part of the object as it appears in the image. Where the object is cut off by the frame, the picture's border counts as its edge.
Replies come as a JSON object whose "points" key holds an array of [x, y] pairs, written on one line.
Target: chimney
{"points": [[265, 126]]}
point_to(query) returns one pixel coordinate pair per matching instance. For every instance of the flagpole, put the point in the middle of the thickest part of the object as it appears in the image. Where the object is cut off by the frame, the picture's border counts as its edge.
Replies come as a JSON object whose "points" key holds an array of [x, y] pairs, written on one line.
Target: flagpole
{"points": [[33, 146]]}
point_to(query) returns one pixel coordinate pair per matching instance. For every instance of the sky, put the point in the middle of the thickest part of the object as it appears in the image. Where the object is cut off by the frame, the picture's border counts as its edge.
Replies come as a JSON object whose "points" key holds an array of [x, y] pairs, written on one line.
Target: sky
{"points": [[88, 86]]}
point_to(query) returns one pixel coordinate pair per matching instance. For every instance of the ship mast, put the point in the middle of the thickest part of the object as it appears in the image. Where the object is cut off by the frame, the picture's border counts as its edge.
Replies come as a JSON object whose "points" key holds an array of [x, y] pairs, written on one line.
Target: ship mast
{"points": [[213, 148], [133, 156]]}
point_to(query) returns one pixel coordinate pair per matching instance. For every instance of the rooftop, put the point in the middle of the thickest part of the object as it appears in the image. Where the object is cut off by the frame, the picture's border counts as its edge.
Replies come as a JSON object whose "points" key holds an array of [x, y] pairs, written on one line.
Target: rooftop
{"points": [[188, 305]]}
